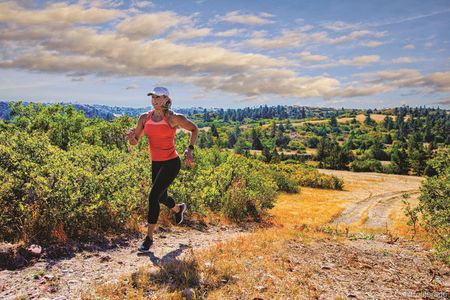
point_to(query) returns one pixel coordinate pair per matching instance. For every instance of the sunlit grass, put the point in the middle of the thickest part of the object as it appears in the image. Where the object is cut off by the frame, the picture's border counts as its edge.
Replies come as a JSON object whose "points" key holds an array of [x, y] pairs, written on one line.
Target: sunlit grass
{"points": [[259, 263]]}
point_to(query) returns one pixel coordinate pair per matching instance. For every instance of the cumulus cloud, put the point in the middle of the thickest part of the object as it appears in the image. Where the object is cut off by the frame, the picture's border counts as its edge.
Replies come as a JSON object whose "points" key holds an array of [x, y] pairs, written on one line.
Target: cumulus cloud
{"points": [[143, 4], [229, 33], [360, 61], [189, 33], [298, 38], [409, 47], [287, 39], [149, 25], [410, 78], [354, 36], [371, 44], [404, 60], [306, 56], [58, 14], [143, 45], [339, 26], [247, 19]]}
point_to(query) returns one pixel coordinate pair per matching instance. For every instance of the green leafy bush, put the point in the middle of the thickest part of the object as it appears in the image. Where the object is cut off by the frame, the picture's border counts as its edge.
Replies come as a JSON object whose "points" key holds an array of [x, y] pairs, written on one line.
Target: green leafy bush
{"points": [[367, 165], [434, 204], [308, 177]]}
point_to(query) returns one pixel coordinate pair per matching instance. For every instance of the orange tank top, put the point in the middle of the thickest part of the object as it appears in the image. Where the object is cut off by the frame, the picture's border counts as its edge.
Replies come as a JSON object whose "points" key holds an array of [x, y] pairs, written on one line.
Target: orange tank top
{"points": [[161, 138]]}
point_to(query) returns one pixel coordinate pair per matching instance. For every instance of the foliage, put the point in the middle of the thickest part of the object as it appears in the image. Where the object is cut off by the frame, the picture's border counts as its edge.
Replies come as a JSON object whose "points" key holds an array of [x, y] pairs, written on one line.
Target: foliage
{"points": [[434, 204], [367, 165]]}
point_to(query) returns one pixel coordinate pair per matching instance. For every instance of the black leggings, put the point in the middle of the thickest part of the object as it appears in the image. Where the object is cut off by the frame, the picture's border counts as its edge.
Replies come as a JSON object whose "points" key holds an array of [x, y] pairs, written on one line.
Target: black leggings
{"points": [[163, 174]]}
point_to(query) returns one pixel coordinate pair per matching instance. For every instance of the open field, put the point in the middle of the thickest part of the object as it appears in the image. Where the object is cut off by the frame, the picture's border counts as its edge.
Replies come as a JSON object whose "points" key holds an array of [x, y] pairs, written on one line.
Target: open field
{"points": [[300, 253]]}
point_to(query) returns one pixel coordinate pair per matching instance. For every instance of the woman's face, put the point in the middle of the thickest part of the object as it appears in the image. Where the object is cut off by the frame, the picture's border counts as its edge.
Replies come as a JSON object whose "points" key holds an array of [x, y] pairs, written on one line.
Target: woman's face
{"points": [[160, 102]]}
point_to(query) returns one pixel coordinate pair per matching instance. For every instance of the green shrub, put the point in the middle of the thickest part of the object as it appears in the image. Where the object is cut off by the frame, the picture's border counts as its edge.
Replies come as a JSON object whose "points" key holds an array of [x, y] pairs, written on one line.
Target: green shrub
{"points": [[226, 182], [367, 165], [434, 204], [308, 177]]}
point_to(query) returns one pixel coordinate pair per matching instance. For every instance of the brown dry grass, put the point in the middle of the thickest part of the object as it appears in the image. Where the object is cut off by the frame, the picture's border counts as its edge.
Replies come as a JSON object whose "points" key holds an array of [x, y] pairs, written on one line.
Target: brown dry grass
{"points": [[361, 117], [253, 265]]}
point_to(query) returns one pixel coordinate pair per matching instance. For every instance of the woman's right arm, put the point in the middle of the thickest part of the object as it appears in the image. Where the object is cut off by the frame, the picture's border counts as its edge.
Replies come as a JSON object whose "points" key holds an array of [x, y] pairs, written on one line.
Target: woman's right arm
{"points": [[135, 134]]}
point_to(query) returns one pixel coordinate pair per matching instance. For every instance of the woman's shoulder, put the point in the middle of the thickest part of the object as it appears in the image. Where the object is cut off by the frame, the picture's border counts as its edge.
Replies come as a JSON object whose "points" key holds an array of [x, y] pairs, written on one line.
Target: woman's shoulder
{"points": [[143, 117], [173, 114]]}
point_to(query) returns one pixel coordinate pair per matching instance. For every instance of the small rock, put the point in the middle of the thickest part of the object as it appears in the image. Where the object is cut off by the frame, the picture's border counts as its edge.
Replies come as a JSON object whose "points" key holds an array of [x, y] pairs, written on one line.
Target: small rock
{"points": [[105, 258], [60, 298], [188, 293], [35, 250], [49, 277], [260, 288], [72, 282], [351, 295]]}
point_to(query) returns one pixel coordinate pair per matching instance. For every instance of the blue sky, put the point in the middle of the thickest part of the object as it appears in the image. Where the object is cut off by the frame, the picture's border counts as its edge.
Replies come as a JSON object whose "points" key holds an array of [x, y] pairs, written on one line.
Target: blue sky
{"points": [[359, 54]]}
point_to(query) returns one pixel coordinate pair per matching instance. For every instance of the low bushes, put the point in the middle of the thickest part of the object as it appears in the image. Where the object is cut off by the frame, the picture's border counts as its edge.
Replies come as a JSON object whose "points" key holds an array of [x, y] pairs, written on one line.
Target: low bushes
{"points": [[308, 177], [367, 165]]}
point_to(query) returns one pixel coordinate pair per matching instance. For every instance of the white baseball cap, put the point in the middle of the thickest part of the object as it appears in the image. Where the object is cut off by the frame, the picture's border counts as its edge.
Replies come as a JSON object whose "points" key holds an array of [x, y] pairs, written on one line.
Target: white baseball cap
{"points": [[159, 91]]}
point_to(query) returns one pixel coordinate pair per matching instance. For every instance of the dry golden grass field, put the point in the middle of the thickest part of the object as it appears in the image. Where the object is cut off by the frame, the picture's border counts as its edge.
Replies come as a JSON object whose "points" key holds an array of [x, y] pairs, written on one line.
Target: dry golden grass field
{"points": [[321, 244]]}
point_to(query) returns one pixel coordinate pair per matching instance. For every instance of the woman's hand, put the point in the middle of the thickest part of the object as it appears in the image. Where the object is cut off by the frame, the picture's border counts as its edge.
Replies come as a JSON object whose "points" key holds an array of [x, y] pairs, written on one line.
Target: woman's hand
{"points": [[189, 157], [131, 135]]}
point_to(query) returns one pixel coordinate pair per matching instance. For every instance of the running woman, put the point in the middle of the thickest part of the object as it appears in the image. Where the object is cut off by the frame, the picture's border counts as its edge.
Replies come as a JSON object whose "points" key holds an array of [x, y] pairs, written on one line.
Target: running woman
{"points": [[159, 125]]}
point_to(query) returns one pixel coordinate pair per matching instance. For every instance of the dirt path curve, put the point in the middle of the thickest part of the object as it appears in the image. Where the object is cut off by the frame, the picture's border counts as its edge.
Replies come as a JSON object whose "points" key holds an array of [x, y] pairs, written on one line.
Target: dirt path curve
{"points": [[67, 278], [372, 197]]}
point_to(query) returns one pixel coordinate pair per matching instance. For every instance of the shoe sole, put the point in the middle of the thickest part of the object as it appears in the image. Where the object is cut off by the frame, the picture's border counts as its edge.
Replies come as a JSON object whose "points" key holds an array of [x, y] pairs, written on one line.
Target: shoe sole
{"points": [[144, 251], [182, 212]]}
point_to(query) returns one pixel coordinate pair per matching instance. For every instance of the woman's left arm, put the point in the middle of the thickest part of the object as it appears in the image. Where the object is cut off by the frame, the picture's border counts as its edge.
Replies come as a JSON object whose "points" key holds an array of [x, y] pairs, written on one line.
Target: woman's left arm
{"points": [[187, 124]]}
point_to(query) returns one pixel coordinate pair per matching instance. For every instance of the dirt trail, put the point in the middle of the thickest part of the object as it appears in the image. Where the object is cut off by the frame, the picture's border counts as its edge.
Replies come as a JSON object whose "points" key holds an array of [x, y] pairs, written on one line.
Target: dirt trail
{"points": [[371, 197], [66, 278]]}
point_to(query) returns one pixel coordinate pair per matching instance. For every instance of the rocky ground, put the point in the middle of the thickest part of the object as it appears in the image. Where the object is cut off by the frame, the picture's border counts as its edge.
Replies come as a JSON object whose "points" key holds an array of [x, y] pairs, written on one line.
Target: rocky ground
{"points": [[70, 275]]}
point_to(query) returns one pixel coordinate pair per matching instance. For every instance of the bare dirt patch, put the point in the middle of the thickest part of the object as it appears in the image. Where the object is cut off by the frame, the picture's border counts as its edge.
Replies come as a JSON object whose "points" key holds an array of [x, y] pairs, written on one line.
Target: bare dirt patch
{"points": [[371, 197], [68, 277]]}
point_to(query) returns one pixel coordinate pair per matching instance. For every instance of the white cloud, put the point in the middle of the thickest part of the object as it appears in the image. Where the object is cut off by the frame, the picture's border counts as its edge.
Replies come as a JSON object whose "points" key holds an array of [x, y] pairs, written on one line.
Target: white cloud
{"points": [[58, 14], [410, 78], [404, 60], [339, 26], [143, 4], [354, 36], [308, 57], [360, 61], [372, 44], [189, 33], [128, 48], [247, 19], [288, 39], [229, 33], [409, 47], [149, 25], [298, 38]]}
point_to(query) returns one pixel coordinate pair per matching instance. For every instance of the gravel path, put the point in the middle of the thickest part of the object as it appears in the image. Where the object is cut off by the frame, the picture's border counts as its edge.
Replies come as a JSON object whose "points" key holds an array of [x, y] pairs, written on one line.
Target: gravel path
{"points": [[371, 197], [66, 278]]}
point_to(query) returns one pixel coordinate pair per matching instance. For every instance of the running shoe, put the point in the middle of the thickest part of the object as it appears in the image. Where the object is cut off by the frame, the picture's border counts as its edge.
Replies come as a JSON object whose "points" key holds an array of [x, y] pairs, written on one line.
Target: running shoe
{"points": [[179, 215], [146, 244]]}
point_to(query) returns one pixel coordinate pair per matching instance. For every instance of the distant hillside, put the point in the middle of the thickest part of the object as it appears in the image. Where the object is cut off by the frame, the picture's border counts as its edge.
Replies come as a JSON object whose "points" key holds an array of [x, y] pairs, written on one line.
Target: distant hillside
{"points": [[262, 112], [100, 111]]}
